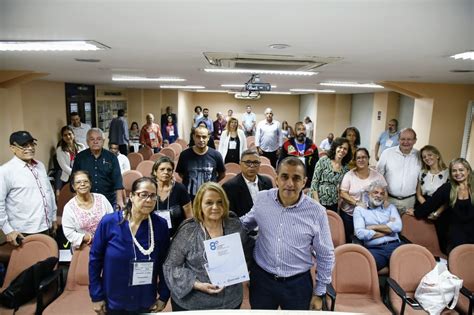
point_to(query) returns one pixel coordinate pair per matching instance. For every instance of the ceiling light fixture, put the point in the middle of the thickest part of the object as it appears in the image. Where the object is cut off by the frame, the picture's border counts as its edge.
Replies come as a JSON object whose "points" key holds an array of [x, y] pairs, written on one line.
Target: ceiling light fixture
{"points": [[145, 79], [353, 84], [282, 93], [240, 86], [279, 46], [260, 71], [51, 45], [468, 55], [213, 91], [312, 91], [190, 87]]}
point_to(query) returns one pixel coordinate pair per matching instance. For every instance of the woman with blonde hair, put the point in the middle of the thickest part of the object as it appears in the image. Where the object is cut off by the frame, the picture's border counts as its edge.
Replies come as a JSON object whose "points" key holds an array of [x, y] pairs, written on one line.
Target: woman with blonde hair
{"points": [[184, 269], [457, 195], [233, 142]]}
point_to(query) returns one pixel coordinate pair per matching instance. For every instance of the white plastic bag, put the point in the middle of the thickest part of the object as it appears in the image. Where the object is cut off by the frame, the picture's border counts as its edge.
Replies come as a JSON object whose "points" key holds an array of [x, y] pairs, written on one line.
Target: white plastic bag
{"points": [[437, 288]]}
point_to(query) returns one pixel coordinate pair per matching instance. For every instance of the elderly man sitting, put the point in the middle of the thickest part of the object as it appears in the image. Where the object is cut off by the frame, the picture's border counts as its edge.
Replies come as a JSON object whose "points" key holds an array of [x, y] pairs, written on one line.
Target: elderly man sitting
{"points": [[378, 226]]}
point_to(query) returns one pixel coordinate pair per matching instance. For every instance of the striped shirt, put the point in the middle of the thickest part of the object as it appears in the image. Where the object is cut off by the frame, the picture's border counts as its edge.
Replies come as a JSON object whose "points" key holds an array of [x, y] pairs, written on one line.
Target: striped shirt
{"points": [[287, 236]]}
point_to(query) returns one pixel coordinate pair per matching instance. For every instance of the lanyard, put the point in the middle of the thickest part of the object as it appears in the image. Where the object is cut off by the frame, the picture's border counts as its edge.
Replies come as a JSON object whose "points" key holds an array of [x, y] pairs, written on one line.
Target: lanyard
{"points": [[43, 194]]}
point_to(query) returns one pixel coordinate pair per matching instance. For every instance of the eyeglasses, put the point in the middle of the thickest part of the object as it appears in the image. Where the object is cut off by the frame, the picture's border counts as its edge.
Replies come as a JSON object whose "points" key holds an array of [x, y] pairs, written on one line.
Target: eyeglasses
{"points": [[252, 163], [362, 158], [26, 146], [80, 182], [144, 195]]}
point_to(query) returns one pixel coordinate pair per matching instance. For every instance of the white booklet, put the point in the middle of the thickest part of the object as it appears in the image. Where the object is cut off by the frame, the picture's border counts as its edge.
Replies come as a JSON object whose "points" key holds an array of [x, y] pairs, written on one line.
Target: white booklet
{"points": [[226, 260]]}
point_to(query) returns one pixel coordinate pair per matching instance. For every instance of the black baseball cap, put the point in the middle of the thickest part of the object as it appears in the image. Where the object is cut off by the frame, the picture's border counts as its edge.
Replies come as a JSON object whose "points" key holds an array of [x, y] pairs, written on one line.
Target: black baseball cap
{"points": [[21, 138]]}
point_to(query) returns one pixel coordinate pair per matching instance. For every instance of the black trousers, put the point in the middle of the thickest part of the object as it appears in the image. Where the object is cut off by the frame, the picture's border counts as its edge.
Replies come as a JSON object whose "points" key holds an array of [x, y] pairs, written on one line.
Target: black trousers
{"points": [[123, 148], [272, 156]]}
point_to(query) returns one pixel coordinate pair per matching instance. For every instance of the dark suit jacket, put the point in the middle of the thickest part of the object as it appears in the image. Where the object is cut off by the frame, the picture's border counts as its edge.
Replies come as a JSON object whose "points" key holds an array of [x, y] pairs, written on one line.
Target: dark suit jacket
{"points": [[240, 200]]}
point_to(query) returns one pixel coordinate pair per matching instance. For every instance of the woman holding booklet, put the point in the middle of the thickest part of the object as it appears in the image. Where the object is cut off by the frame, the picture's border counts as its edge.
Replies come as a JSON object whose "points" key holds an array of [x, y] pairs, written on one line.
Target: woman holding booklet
{"points": [[185, 268]]}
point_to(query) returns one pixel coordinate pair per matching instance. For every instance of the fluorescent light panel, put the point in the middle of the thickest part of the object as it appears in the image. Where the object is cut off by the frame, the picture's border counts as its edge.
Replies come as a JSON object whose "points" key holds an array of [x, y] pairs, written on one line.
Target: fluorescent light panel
{"points": [[282, 93], [51, 45], [313, 91], [352, 84], [213, 91], [190, 87], [145, 79], [260, 71], [468, 55], [240, 86]]}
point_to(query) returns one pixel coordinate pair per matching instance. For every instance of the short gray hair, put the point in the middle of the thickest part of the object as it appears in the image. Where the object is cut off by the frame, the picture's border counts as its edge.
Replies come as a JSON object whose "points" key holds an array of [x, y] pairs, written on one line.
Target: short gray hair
{"points": [[376, 184], [96, 130]]}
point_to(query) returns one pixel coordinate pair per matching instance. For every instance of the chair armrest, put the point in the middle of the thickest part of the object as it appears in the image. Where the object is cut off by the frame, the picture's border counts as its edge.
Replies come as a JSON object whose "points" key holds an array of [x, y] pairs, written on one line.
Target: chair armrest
{"points": [[467, 293], [403, 295], [331, 292], [45, 287]]}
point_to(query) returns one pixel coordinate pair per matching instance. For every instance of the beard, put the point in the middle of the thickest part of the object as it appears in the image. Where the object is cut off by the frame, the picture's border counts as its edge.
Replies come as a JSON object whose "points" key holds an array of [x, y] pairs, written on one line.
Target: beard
{"points": [[375, 203], [300, 137]]}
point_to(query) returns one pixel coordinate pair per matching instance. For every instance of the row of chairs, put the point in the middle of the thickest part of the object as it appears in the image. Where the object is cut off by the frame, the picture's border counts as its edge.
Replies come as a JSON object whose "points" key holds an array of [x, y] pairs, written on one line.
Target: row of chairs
{"points": [[355, 283]]}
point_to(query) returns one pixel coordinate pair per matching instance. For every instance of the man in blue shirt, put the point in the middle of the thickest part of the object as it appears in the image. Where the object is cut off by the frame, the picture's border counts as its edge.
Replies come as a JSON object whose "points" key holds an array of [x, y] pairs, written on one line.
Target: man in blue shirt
{"points": [[388, 138], [103, 166], [291, 228], [118, 132], [205, 118], [378, 226]]}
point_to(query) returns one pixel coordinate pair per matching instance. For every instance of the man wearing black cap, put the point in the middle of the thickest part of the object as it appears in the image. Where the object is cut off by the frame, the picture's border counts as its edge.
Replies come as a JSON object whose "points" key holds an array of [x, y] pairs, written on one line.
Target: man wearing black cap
{"points": [[27, 204]]}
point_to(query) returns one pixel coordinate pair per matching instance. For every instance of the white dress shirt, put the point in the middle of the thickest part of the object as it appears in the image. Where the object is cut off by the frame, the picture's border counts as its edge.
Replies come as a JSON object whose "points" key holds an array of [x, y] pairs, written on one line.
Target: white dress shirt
{"points": [[253, 187], [268, 136], [400, 171], [27, 203], [124, 163], [81, 133]]}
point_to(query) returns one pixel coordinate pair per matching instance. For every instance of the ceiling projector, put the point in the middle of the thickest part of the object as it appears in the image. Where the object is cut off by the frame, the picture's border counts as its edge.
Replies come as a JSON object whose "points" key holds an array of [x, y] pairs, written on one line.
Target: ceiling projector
{"points": [[254, 85]]}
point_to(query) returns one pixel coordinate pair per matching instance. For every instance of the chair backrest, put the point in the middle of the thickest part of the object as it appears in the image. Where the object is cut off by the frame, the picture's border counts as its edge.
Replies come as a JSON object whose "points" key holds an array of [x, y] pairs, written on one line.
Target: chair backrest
{"points": [[421, 232], [128, 177], [355, 272], [461, 262], [265, 160], [64, 196], [78, 274], [182, 143], [226, 178], [267, 169], [232, 168], [34, 248], [145, 167], [177, 178], [146, 152], [169, 152], [337, 228], [408, 264], [135, 158], [154, 157], [176, 147], [271, 178]]}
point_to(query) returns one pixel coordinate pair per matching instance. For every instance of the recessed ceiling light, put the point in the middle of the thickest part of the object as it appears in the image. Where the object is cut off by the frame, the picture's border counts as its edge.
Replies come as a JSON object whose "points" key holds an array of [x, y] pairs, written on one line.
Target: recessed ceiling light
{"points": [[468, 55], [352, 84], [260, 71], [190, 87], [279, 46], [312, 91], [145, 79], [213, 91], [240, 86], [51, 45]]}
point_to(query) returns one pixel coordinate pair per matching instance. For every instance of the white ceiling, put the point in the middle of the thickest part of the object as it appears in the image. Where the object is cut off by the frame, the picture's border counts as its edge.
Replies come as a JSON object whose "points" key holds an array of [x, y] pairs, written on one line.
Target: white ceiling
{"points": [[379, 40]]}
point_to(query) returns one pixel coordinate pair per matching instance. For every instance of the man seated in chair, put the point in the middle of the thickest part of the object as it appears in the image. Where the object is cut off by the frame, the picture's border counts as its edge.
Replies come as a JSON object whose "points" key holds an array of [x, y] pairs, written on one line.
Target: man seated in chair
{"points": [[378, 226]]}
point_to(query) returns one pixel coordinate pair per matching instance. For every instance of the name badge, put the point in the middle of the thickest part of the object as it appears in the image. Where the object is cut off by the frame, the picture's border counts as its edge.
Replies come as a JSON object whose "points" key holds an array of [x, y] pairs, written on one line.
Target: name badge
{"points": [[142, 272], [389, 143], [152, 136], [232, 145], [172, 132], [302, 159], [165, 214]]}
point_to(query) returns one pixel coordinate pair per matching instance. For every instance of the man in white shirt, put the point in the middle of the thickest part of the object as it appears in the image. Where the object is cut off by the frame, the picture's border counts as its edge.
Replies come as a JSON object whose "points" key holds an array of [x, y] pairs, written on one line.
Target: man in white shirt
{"points": [[122, 159], [401, 165], [80, 129], [27, 204], [249, 121], [326, 143], [269, 138]]}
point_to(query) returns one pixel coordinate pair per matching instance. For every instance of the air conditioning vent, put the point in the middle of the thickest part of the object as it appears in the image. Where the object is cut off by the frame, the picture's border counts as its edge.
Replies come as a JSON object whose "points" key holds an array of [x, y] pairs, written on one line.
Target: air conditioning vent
{"points": [[267, 62]]}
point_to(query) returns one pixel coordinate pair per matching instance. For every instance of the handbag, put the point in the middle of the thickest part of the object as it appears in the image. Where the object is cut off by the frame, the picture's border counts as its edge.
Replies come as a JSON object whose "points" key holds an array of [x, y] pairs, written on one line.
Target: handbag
{"points": [[437, 289]]}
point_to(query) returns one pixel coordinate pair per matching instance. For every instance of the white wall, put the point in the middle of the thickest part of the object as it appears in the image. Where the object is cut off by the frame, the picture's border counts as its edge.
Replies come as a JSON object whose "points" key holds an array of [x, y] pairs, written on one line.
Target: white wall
{"points": [[407, 106], [361, 116], [308, 108]]}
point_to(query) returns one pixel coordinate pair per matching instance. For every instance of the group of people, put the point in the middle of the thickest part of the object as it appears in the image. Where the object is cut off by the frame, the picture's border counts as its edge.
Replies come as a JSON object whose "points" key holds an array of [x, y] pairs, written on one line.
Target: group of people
{"points": [[150, 247]]}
